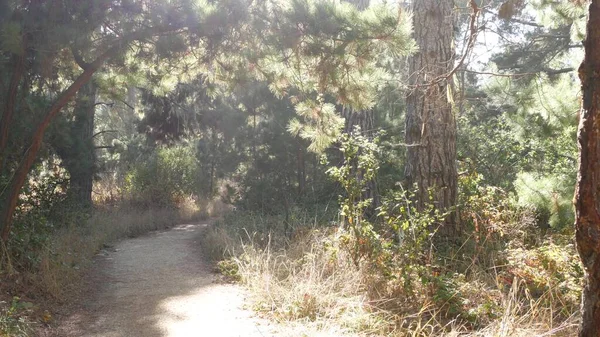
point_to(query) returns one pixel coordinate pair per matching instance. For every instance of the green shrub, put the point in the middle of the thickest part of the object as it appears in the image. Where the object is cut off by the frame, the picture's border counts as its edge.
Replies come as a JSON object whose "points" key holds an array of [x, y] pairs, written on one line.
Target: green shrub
{"points": [[165, 177], [230, 269], [550, 196], [14, 318]]}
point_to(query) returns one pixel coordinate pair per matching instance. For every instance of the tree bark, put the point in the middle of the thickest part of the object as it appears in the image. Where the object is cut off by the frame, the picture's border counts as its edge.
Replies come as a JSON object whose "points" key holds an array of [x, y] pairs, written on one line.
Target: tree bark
{"points": [[11, 100], [80, 158], [587, 198], [430, 123], [10, 204]]}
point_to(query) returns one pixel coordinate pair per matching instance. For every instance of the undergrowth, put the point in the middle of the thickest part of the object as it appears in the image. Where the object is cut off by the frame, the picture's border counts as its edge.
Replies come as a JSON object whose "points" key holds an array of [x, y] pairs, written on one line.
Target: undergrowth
{"points": [[14, 319], [502, 276], [311, 279]]}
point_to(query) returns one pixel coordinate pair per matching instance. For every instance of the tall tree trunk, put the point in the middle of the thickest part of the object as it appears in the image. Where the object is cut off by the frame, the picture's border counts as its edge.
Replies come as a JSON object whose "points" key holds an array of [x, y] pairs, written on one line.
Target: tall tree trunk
{"points": [[430, 124], [587, 199], [81, 162], [10, 105], [213, 160]]}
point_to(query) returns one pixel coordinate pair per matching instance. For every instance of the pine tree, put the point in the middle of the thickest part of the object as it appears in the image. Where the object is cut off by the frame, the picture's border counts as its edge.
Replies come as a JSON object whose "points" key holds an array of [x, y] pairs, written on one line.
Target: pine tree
{"points": [[333, 49], [43, 32], [588, 183], [430, 123]]}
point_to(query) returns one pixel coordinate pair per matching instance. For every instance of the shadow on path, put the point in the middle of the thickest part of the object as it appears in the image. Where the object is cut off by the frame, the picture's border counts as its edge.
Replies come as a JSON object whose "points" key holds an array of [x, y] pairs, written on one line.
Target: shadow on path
{"points": [[159, 285]]}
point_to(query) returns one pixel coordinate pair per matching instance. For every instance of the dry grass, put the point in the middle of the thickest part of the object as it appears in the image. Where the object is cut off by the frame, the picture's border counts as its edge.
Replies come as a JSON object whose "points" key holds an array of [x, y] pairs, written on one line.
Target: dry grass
{"points": [[218, 244], [312, 281], [72, 248], [312, 286], [525, 316], [214, 207]]}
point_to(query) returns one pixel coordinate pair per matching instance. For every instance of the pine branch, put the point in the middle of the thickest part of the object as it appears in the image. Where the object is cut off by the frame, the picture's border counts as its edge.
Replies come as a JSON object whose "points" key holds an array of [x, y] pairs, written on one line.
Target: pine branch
{"points": [[79, 59]]}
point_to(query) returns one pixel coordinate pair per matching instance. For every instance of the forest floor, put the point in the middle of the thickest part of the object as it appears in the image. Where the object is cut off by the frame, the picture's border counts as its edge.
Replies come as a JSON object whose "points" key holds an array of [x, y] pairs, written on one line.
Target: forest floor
{"points": [[159, 285]]}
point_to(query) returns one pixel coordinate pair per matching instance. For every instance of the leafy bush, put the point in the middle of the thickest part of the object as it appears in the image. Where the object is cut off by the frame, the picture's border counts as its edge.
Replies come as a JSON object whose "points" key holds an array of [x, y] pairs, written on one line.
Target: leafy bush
{"points": [[487, 145], [359, 167], [40, 212], [13, 318], [550, 196], [165, 177]]}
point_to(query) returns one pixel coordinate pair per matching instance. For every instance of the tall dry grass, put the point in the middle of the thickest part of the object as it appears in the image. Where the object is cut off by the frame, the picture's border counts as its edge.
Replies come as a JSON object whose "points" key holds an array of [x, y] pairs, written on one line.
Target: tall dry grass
{"points": [[311, 286]]}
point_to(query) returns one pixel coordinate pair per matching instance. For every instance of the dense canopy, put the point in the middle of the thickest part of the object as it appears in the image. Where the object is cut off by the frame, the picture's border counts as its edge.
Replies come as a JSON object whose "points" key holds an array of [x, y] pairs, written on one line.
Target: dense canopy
{"points": [[424, 152]]}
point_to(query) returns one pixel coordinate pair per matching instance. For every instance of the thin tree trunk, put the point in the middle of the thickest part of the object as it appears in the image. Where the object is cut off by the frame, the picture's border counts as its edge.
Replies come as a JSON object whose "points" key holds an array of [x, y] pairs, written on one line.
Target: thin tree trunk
{"points": [[11, 100], [587, 199], [212, 178], [430, 123], [213, 160], [300, 167], [254, 135]]}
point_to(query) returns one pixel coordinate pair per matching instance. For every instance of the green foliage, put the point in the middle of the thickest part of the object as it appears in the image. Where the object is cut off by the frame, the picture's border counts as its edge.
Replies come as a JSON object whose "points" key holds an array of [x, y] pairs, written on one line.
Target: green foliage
{"points": [[487, 210], [406, 260], [39, 214], [10, 38], [407, 264], [520, 135], [166, 176], [412, 227], [326, 129], [13, 318], [359, 166], [487, 145], [550, 196], [229, 269], [321, 54]]}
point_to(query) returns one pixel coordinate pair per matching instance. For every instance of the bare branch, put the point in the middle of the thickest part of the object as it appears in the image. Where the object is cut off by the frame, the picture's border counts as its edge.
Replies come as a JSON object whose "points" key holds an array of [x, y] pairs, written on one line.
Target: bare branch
{"points": [[102, 132], [111, 104]]}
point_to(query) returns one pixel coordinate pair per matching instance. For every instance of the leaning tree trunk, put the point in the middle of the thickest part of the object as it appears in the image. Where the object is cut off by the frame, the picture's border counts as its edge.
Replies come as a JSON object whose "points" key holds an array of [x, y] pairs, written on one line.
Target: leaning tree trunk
{"points": [[587, 198], [9, 205], [430, 123]]}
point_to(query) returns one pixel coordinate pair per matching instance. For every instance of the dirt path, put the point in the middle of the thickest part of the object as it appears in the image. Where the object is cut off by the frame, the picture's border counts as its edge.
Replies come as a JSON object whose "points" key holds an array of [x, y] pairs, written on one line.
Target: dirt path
{"points": [[159, 285]]}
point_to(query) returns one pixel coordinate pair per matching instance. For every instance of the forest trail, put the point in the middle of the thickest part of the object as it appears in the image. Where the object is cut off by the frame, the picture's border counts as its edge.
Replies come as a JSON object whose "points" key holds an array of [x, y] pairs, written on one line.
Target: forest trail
{"points": [[159, 285]]}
